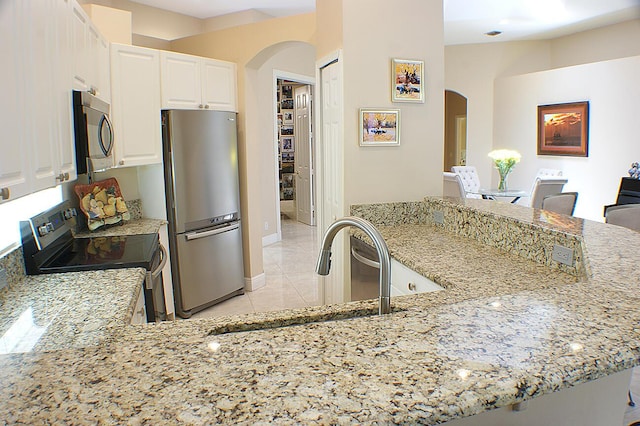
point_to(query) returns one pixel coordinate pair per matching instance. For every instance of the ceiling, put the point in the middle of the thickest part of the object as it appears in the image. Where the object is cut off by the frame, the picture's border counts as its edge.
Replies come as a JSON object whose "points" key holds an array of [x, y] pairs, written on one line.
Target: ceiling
{"points": [[465, 21]]}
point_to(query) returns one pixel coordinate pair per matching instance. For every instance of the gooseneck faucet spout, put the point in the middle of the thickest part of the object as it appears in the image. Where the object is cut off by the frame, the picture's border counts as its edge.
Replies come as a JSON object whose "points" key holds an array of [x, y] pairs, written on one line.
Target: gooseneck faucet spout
{"points": [[324, 260]]}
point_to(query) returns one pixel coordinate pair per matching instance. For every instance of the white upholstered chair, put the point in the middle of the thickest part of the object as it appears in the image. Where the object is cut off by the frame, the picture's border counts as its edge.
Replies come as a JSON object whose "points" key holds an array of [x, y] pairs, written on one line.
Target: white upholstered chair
{"points": [[470, 180], [627, 215], [452, 185], [564, 203], [542, 174], [544, 187]]}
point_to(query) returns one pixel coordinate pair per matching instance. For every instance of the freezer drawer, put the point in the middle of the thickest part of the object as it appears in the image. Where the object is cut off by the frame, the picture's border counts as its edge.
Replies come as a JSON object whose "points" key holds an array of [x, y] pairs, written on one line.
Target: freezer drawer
{"points": [[210, 267]]}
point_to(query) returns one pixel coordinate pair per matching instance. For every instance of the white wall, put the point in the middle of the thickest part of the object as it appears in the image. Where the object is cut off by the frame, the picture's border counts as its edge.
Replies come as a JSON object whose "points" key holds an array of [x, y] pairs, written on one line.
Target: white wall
{"points": [[297, 58], [613, 91]]}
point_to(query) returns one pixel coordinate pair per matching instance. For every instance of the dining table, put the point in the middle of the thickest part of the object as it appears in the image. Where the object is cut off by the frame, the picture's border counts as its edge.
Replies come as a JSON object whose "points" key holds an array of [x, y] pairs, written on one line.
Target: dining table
{"points": [[493, 193]]}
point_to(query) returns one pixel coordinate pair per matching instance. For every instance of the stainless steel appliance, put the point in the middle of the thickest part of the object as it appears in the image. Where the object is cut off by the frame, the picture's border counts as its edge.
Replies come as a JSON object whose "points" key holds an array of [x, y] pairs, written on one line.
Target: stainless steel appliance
{"points": [[365, 271], [48, 247], [93, 133], [203, 207]]}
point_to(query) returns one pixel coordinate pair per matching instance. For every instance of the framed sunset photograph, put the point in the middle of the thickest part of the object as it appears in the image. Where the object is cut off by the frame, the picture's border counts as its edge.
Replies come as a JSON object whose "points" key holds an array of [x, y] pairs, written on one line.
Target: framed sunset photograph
{"points": [[379, 127], [563, 129], [408, 80]]}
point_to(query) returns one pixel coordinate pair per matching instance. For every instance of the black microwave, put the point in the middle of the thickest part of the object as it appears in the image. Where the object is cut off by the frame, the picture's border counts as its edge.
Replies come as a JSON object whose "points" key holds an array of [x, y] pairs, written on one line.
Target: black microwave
{"points": [[93, 133]]}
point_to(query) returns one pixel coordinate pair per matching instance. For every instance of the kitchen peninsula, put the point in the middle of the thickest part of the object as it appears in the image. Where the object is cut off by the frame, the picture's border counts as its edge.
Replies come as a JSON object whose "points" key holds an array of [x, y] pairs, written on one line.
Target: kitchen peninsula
{"points": [[511, 325]]}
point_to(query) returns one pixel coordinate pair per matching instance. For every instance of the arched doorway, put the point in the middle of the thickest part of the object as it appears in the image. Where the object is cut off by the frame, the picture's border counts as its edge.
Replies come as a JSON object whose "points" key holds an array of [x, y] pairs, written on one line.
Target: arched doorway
{"points": [[455, 130]]}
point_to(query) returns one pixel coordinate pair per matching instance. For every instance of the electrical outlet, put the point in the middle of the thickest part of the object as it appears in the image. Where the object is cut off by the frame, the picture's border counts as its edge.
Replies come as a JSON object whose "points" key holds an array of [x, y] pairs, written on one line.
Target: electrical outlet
{"points": [[3, 278], [266, 226], [562, 254], [438, 217]]}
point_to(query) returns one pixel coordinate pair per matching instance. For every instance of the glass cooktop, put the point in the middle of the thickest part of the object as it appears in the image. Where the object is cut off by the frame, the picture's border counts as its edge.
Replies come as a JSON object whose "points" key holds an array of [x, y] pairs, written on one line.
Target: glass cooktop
{"points": [[85, 254]]}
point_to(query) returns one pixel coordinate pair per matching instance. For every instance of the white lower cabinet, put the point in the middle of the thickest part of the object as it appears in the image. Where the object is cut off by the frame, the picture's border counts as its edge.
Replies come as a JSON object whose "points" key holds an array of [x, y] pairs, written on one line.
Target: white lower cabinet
{"points": [[135, 107], [406, 281], [139, 312]]}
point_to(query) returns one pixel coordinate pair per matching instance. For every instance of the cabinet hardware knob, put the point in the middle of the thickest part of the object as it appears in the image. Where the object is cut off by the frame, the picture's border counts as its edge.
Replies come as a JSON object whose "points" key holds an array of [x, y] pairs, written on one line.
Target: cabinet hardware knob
{"points": [[412, 286], [66, 176], [121, 162], [200, 106], [60, 177], [206, 106], [5, 193]]}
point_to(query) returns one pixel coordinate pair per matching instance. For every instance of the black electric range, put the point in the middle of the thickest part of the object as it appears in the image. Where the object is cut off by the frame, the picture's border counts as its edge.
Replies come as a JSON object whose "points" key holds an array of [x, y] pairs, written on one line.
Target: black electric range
{"points": [[48, 247]]}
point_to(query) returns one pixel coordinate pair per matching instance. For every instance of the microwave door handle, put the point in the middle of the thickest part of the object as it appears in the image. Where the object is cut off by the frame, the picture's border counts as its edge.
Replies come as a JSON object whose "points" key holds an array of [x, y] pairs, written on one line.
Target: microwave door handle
{"points": [[195, 235], [105, 120]]}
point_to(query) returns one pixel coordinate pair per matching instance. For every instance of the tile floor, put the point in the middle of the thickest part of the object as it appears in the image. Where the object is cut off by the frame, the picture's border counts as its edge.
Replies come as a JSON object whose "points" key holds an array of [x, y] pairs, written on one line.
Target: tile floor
{"points": [[289, 267]]}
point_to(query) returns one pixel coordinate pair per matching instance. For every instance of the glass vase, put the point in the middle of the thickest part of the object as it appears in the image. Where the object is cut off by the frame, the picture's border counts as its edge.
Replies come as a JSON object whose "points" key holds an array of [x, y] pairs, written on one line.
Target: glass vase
{"points": [[502, 185]]}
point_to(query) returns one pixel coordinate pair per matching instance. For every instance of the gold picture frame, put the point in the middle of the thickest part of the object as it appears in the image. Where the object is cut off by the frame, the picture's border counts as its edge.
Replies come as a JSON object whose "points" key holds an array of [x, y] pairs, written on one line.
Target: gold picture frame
{"points": [[407, 80], [563, 129], [379, 127]]}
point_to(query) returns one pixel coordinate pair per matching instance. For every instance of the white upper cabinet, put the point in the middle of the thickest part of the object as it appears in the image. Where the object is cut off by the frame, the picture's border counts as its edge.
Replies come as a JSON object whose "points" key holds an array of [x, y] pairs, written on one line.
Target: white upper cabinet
{"points": [[80, 47], [135, 108], [193, 82], [14, 166], [91, 71], [41, 129], [218, 84], [62, 94]]}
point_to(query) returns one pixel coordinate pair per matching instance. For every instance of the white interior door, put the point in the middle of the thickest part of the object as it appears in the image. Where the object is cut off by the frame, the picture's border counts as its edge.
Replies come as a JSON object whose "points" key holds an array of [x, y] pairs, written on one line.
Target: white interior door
{"points": [[331, 179], [304, 157]]}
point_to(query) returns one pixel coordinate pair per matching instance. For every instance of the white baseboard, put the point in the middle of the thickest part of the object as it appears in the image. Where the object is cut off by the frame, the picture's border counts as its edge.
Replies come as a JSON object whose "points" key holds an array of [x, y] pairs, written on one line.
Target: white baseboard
{"points": [[270, 239], [254, 283]]}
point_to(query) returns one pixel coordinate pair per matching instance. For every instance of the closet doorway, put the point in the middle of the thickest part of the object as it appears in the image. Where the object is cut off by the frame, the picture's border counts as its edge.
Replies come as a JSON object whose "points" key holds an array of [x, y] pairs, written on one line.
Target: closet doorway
{"points": [[294, 124]]}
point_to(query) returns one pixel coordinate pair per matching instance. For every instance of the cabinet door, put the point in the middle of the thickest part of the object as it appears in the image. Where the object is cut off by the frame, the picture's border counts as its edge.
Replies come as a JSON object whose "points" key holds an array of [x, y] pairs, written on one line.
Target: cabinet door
{"points": [[63, 108], [99, 64], [41, 132], [180, 76], [219, 85], [136, 105], [13, 149], [80, 44]]}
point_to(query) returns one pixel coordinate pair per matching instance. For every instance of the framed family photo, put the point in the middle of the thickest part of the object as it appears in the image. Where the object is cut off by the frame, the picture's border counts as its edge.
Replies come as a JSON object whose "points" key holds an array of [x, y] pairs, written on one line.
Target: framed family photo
{"points": [[563, 129], [379, 127], [408, 80]]}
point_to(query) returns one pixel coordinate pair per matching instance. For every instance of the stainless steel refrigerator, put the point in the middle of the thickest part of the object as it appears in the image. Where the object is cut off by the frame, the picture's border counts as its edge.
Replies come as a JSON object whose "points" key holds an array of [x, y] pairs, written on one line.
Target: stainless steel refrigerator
{"points": [[203, 207]]}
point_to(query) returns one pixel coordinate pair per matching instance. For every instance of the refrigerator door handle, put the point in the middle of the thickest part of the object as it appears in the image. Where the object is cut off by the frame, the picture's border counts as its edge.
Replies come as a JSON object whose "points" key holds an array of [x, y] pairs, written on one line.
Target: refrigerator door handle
{"points": [[195, 235]]}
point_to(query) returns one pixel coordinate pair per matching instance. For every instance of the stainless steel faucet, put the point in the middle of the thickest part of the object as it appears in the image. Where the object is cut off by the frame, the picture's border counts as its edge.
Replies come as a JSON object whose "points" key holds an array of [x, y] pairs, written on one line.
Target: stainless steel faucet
{"points": [[324, 260]]}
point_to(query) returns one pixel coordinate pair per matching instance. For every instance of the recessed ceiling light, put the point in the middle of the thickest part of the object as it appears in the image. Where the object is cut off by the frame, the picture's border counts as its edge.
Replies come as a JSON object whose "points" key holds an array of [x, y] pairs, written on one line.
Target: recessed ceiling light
{"points": [[493, 33]]}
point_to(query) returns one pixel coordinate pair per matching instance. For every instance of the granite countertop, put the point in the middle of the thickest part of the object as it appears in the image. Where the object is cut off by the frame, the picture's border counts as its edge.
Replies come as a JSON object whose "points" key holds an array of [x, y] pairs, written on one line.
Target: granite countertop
{"points": [[131, 227], [517, 324]]}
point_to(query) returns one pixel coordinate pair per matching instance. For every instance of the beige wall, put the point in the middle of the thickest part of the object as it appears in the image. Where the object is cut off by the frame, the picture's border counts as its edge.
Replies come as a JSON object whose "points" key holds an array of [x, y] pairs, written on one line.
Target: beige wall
{"points": [[413, 169], [610, 42], [250, 46], [153, 22], [329, 15]]}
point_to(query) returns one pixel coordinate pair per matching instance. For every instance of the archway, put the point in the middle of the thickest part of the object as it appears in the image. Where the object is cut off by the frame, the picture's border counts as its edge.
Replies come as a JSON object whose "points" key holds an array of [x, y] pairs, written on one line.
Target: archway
{"points": [[455, 129]]}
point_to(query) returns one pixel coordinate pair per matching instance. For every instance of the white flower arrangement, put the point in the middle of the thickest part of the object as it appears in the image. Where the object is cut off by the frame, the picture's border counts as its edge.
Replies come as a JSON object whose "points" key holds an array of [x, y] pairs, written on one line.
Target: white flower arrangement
{"points": [[504, 160]]}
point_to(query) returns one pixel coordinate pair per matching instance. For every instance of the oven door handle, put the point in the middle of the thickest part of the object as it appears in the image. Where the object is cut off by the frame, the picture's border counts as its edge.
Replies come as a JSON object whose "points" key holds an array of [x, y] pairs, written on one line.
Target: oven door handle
{"points": [[163, 261], [195, 235], [362, 259]]}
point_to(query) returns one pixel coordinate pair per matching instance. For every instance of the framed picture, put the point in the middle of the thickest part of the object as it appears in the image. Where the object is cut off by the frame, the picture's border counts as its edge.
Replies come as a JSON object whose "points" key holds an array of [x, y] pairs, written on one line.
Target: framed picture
{"points": [[286, 130], [563, 129], [287, 117], [408, 80], [287, 180], [379, 127], [287, 143]]}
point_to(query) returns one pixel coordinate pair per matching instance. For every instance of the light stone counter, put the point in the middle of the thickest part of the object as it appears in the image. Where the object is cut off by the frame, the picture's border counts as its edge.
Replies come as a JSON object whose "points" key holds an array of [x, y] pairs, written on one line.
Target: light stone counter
{"points": [[515, 322]]}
